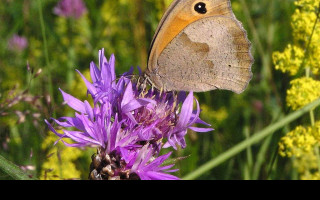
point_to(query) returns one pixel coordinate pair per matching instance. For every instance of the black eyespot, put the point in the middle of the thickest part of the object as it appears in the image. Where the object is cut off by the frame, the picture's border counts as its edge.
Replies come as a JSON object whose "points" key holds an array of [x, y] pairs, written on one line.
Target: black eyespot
{"points": [[200, 8]]}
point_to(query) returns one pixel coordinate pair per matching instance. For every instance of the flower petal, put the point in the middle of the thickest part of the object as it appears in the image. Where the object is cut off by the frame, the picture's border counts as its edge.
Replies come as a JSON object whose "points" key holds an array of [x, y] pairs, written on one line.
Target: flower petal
{"points": [[78, 137], [201, 130], [52, 129], [92, 90], [74, 103], [186, 111], [95, 73]]}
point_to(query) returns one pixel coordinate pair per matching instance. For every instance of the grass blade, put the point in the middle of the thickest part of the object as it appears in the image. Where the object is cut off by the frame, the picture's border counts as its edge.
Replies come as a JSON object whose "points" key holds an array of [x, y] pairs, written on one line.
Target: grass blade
{"points": [[250, 141], [12, 170]]}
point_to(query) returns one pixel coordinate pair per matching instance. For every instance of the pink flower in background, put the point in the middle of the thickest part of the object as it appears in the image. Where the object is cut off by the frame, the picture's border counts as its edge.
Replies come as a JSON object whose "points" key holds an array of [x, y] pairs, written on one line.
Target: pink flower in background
{"points": [[70, 8], [17, 43]]}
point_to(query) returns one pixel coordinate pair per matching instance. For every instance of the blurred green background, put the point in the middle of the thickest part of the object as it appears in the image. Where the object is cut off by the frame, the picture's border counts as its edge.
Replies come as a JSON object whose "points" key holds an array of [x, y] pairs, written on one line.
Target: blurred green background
{"points": [[126, 28]]}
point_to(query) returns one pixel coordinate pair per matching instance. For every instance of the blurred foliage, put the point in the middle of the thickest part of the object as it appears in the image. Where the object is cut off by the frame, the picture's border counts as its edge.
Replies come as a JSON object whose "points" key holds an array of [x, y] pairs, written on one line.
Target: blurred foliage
{"points": [[126, 28]]}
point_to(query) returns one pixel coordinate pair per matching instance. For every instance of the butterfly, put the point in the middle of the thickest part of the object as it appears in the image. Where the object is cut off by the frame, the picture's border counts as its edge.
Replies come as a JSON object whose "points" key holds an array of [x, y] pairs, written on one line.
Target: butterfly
{"points": [[199, 46]]}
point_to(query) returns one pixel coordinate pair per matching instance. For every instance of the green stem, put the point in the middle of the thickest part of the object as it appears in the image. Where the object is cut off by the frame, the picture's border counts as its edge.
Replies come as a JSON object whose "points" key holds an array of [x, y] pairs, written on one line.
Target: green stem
{"points": [[311, 111], [249, 164], [250, 141], [261, 157], [316, 150], [308, 72], [312, 117], [71, 53], [46, 54], [43, 31], [12, 170], [310, 39]]}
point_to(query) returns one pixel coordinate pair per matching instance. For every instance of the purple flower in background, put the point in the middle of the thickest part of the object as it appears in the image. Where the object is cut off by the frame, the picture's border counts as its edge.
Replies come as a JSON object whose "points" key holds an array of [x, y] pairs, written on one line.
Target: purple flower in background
{"points": [[70, 8], [128, 124], [17, 43]]}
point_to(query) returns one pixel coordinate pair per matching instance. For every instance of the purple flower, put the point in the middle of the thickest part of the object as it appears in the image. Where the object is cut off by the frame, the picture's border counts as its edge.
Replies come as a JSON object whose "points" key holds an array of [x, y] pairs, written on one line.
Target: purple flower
{"points": [[152, 170], [128, 124], [70, 8], [17, 43]]}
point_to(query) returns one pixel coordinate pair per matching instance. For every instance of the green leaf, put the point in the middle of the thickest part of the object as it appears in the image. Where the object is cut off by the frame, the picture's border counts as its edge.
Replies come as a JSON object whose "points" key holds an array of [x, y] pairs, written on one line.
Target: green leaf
{"points": [[12, 170]]}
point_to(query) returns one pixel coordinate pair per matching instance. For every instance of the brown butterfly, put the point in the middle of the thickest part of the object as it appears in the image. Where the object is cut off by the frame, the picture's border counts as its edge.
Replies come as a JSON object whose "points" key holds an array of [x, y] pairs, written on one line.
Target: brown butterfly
{"points": [[199, 45]]}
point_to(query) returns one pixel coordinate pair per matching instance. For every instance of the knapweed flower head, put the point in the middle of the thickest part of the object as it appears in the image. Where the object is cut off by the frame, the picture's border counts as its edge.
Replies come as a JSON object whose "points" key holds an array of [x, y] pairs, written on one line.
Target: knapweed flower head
{"points": [[70, 8], [17, 43], [129, 124]]}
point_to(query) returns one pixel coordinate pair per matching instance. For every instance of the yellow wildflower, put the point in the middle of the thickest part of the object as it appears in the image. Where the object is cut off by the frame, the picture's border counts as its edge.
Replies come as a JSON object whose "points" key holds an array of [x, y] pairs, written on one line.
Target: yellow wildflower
{"points": [[60, 162], [290, 60], [310, 176], [307, 166], [217, 116], [302, 92], [302, 24], [308, 5], [300, 141], [303, 52]]}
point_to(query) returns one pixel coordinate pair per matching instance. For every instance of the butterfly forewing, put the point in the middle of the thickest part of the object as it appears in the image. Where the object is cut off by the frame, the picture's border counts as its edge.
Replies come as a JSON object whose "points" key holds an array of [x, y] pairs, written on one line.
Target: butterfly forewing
{"points": [[211, 52]]}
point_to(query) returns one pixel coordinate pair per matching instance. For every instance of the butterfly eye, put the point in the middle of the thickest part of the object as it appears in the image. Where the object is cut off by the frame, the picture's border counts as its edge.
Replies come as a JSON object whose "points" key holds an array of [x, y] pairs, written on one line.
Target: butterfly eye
{"points": [[200, 8]]}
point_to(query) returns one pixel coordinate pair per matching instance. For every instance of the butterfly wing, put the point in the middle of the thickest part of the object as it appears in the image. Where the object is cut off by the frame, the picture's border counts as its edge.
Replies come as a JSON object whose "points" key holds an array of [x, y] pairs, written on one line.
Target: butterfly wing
{"points": [[164, 18], [200, 52], [211, 53], [177, 17]]}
